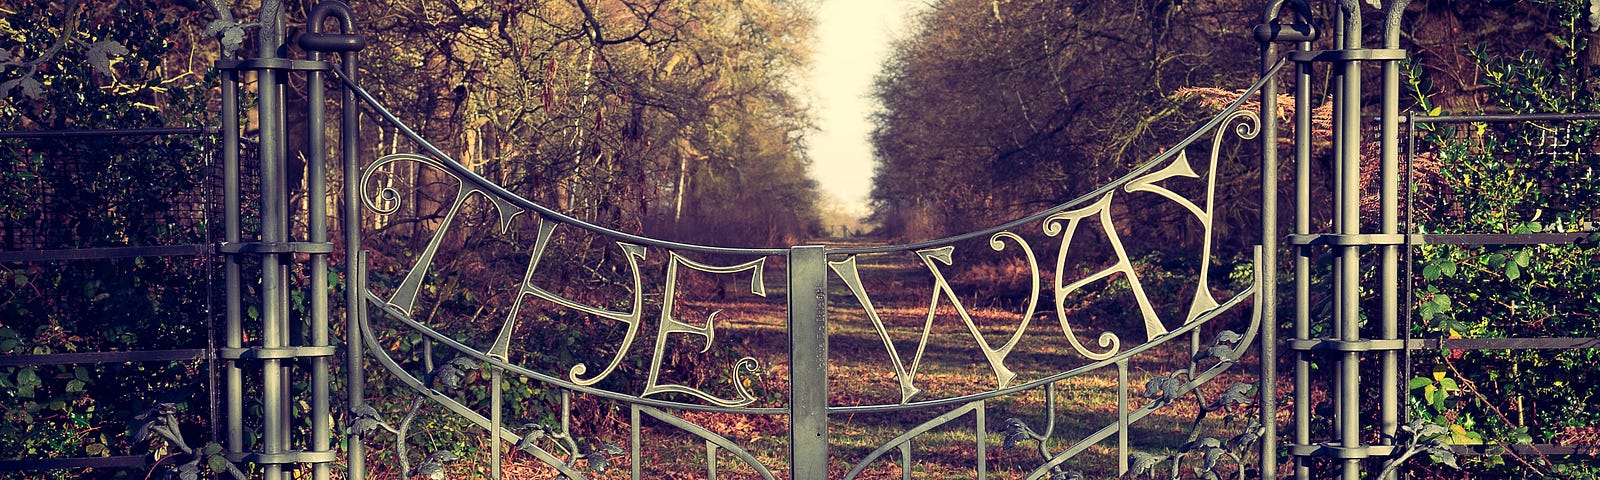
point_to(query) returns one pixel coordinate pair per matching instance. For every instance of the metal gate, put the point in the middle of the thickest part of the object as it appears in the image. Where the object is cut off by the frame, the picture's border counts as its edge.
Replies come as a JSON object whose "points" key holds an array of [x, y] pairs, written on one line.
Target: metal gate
{"points": [[597, 320]]}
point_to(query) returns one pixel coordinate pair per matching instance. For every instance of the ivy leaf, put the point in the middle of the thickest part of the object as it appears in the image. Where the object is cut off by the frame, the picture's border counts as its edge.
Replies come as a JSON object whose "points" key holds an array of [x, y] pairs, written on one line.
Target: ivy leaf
{"points": [[1236, 395], [1144, 463], [1212, 456], [433, 465], [366, 421], [1013, 438], [100, 54], [218, 463], [189, 471], [1252, 433], [599, 463], [600, 458], [215, 27], [450, 374], [1228, 336], [434, 471], [1067, 475], [530, 437], [233, 37], [30, 87], [441, 457], [1164, 389], [145, 423], [1219, 352], [1016, 432], [1444, 455], [230, 34]]}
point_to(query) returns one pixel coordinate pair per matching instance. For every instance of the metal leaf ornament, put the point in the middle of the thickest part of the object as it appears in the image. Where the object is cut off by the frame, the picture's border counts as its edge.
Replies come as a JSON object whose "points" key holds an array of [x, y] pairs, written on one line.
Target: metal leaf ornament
{"points": [[367, 420], [600, 458], [433, 465], [1164, 388], [450, 374], [1237, 395], [1145, 463], [531, 434], [1067, 475], [1016, 431], [1244, 440]]}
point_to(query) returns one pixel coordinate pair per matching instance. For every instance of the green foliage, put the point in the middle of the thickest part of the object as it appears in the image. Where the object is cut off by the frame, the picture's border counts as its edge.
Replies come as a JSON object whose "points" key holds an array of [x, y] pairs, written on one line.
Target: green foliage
{"points": [[1522, 178], [74, 68]]}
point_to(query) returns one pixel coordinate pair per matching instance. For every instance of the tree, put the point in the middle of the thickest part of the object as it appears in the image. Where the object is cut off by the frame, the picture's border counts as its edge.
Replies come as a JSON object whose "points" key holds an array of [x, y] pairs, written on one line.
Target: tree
{"points": [[993, 109]]}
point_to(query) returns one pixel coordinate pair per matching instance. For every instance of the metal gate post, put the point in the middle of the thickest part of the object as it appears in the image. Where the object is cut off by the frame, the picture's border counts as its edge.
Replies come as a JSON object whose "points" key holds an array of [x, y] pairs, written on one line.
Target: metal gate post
{"points": [[808, 362], [1390, 401], [1347, 221], [274, 230], [1269, 33], [346, 43]]}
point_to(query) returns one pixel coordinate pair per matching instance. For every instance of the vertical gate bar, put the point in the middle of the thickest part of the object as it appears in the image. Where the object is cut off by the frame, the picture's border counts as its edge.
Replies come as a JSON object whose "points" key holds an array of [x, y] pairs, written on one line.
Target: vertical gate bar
{"points": [[354, 308], [233, 331], [711, 460], [1302, 258], [566, 413], [286, 268], [496, 418], [905, 460], [272, 230], [983, 441], [1269, 265], [1406, 301], [1391, 380], [1348, 280], [1122, 416], [635, 456], [1389, 275], [1337, 98], [808, 362], [317, 224]]}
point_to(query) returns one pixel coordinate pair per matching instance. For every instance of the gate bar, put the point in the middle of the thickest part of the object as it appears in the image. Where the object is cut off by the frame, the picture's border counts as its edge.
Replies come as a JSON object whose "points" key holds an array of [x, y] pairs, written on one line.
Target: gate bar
{"points": [[111, 132], [808, 357], [1389, 392]]}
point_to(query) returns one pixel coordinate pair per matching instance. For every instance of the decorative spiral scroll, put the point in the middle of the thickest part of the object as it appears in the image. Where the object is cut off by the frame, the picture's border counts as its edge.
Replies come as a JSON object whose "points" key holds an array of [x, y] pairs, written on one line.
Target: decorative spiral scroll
{"points": [[1060, 224]]}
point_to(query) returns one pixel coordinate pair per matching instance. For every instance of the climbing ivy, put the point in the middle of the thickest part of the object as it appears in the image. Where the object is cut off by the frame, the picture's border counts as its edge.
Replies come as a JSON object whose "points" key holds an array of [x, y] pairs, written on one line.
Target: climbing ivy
{"points": [[75, 65], [1529, 177]]}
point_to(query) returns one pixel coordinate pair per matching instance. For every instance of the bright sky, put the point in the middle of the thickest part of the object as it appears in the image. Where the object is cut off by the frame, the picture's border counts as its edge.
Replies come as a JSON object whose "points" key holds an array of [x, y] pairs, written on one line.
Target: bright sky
{"points": [[853, 39]]}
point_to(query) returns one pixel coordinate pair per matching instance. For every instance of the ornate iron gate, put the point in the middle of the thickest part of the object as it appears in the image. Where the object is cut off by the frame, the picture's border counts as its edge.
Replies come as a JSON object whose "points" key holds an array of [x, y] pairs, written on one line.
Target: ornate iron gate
{"points": [[278, 386]]}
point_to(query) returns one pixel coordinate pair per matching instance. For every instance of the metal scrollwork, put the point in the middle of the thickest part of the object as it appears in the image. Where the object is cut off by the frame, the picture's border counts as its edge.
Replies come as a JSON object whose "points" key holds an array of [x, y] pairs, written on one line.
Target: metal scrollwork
{"points": [[659, 396], [671, 325]]}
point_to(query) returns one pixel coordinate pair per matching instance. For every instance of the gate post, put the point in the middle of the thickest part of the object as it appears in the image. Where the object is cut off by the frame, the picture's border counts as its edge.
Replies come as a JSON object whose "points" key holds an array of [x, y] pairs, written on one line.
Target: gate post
{"points": [[808, 362]]}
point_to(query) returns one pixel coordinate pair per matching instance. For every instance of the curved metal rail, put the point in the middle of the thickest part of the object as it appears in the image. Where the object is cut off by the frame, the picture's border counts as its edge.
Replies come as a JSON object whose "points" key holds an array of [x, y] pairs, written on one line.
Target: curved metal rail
{"points": [[1062, 221]]}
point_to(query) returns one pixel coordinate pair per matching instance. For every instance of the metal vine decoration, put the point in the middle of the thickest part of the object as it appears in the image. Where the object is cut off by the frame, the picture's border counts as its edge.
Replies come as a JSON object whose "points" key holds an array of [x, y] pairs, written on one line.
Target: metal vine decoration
{"points": [[1068, 223], [1065, 224], [555, 447]]}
